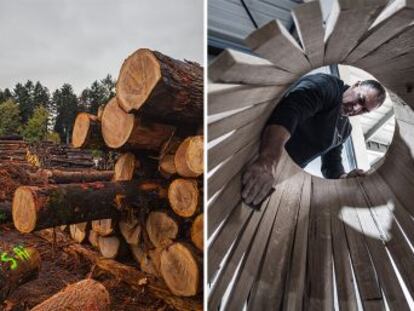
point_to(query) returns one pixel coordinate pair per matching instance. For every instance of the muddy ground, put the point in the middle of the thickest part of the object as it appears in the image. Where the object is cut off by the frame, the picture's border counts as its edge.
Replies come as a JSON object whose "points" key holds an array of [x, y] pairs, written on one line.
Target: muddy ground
{"points": [[59, 269]]}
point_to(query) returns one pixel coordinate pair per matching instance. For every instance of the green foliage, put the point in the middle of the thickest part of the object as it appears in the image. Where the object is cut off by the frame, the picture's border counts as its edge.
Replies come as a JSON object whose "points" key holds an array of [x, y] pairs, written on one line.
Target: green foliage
{"points": [[53, 137], [9, 118], [96, 153], [5, 95], [36, 127], [29, 96]]}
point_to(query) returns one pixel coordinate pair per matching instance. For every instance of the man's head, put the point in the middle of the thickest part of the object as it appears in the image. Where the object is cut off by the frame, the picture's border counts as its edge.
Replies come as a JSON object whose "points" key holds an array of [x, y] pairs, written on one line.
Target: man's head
{"points": [[362, 97]]}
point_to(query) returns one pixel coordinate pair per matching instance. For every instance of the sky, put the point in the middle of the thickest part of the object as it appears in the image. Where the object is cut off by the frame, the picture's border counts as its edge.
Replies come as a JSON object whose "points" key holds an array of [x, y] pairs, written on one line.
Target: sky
{"points": [[80, 41]]}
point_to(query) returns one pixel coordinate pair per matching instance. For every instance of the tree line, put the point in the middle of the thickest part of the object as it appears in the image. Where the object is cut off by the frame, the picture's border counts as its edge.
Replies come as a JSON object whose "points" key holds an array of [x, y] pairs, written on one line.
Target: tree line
{"points": [[30, 109]]}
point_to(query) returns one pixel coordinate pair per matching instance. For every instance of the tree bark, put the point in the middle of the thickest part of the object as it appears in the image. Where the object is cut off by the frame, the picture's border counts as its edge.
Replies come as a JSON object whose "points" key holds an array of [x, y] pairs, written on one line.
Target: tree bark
{"points": [[66, 177], [189, 158], [129, 132], [18, 265], [180, 269], [87, 294], [184, 197], [197, 232], [162, 88], [87, 132], [36, 208], [5, 212]]}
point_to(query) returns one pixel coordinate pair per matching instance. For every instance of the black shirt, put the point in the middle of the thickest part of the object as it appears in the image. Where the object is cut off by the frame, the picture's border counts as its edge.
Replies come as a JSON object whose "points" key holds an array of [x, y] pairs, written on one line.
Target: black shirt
{"points": [[310, 111]]}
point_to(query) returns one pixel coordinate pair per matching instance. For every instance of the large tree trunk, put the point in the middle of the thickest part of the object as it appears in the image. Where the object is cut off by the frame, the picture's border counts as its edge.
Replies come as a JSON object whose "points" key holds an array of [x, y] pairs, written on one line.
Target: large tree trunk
{"points": [[84, 295], [129, 132], [130, 275], [36, 208], [66, 177], [161, 87], [181, 269], [18, 265], [87, 132]]}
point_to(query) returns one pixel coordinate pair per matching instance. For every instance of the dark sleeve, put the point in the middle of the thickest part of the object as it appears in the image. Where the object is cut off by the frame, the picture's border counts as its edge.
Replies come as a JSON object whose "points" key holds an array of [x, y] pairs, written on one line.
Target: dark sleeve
{"points": [[308, 98], [332, 163]]}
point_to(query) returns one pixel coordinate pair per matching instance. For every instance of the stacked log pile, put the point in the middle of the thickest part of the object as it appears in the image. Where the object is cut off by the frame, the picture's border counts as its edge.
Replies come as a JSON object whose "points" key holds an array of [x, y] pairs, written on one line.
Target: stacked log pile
{"points": [[151, 208], [13, 149], [47, 154]]}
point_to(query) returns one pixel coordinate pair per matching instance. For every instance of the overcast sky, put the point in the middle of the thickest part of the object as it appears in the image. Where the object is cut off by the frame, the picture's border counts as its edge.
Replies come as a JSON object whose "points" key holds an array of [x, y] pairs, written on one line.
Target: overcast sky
{"points": [[79, 41]]}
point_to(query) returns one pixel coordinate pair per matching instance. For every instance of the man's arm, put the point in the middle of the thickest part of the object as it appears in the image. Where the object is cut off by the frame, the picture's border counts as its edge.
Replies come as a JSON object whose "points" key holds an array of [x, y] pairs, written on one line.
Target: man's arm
{"points": [[258, 179], [332, 167]]}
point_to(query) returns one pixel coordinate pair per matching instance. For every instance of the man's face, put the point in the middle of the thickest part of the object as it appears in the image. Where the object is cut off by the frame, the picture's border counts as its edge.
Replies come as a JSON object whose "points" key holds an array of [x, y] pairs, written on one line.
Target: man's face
{"points": [[359, 99]]}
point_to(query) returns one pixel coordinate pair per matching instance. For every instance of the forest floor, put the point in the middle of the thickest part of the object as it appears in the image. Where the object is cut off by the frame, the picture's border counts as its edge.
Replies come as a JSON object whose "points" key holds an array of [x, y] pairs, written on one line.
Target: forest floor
{"points": [[60, 269]]}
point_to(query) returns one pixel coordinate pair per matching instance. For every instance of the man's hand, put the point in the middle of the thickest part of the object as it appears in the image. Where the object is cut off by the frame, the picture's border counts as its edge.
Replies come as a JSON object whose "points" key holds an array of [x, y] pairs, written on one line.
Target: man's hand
{"points": [[354, 173], [258, 180]]}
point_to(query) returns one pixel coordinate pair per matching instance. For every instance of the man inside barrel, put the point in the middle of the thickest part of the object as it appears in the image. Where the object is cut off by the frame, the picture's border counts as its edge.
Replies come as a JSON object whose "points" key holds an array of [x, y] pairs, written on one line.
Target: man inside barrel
{"points": [[310, 121]]}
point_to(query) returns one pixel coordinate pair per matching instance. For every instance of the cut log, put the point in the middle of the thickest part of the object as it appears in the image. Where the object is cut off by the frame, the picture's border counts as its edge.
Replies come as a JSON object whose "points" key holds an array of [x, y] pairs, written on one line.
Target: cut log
{"points": [[100, 112], [144, 260], [161, 87], [125, 167], [135, 278], [36, 208], [85, 295], [131, 230], [5, 212], [18, 265], [87, 132], [66, 177], [183, 195], [129, 132], [103, 227], [180, 269], [78, 232], [111, 246], [197, 232], [162, 229], [189, 158], [167, 166], [93, 238]]}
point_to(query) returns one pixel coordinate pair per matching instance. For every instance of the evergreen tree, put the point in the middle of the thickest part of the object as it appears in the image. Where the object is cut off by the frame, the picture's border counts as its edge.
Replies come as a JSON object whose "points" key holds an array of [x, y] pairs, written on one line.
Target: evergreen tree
{"points": [[36, 127], [9, 118], [24, 98], [40, 95], [5, 95], [67, 106], [98, 94]]}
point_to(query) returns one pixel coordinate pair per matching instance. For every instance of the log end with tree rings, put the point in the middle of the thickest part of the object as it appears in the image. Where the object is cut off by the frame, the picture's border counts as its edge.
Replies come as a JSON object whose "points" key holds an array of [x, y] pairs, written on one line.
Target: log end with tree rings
{"points": [[183, 195], [123, 130], [189, 158], [24, 210], [197, 232], [141, 66], [180, 270], [131, 230], [78, 232], [161, 228], [81, 129], [167, 165], [117, 125], [125, 167], [103, 227], [109, 246]]}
